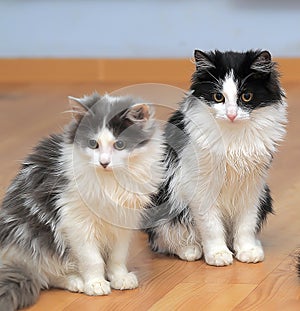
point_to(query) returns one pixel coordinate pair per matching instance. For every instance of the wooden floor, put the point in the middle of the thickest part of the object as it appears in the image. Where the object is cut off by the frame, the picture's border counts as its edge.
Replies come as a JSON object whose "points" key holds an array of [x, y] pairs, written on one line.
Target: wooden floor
{"points": [[28, 112]]}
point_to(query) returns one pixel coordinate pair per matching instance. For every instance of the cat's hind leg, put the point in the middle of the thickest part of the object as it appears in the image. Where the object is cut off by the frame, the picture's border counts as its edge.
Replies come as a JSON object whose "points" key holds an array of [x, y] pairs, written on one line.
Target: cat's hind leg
{"points": [[175, 238]]}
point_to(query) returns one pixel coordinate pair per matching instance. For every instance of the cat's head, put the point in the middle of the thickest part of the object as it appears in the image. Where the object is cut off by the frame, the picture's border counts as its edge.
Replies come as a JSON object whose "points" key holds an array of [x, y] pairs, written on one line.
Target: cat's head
{"points": [[234, 84], [109, 131]]}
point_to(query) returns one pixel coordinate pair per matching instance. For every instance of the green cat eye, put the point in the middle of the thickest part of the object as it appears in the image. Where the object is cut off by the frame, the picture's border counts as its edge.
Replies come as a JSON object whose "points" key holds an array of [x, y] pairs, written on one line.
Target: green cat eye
{"points": [[119, 145], [219, 97], [93, 144], [246, 97]]}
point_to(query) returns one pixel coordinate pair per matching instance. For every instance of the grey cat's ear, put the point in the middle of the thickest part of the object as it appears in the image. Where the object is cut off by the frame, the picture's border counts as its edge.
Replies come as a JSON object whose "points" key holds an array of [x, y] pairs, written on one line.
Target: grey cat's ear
{"points": [[202, 60], [263, 62], [78, 107], [140, 112]]}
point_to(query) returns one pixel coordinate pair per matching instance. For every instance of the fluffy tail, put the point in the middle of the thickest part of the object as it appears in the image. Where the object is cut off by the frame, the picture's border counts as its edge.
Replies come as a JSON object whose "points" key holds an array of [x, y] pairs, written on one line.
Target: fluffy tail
{"points": [[18, 288]]}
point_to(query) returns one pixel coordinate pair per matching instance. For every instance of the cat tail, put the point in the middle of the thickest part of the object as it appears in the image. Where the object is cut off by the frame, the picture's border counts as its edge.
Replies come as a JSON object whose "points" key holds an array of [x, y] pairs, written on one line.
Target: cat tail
{"points": [[19, 287]]}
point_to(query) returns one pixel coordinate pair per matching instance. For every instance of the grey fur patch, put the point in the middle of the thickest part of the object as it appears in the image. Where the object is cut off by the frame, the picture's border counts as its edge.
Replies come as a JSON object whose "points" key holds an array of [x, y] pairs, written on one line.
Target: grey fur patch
{"points": [[28, 220], [29, 214], [18, 288]]}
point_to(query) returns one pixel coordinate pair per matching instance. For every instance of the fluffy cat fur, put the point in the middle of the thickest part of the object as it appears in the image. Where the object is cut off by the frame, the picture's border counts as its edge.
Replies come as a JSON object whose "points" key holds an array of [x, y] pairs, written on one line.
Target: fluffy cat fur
{"points": [[66, 219], [219, 147]]}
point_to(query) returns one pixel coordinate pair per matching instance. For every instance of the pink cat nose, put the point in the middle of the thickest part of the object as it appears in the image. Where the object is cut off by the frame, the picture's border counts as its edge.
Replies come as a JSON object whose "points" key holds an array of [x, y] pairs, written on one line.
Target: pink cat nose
{"points": [[104, 164], [231, 117]]}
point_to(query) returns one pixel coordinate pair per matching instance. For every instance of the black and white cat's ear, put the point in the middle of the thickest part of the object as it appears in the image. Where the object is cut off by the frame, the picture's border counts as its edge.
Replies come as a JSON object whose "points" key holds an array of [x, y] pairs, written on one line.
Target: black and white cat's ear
{"points": [[263, 62], [78, 107], [140, 112], [202, 60]]}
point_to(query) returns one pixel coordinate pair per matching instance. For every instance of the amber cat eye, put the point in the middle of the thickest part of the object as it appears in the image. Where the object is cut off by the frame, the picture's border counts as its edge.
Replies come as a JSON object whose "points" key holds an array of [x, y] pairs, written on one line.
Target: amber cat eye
{"points": [[246, 97], [219, 97]]}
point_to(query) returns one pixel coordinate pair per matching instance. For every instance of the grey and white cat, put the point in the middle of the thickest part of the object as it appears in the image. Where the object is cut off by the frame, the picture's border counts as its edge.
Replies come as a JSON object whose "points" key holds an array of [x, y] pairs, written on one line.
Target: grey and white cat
{"points": [[220, 145], [65, 220]]}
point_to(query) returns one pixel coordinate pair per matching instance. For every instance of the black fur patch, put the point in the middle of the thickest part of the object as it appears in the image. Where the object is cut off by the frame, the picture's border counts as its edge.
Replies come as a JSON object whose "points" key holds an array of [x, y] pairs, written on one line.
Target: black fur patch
{"points": [[175, 136], [265, 208], [175, 140]]}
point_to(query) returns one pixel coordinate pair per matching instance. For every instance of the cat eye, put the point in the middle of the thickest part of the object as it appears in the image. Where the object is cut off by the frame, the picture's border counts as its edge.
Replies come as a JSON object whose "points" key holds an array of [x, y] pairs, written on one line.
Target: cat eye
{"points": [[246, 97], [119, 145], [93, 144], [219, 97]]}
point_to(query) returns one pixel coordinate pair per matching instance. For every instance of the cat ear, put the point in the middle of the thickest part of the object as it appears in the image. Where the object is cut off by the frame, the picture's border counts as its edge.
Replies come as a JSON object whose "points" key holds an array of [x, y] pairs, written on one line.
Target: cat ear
{"points": [[263, 62], [140, 112], [78, 107], [202, 60]]}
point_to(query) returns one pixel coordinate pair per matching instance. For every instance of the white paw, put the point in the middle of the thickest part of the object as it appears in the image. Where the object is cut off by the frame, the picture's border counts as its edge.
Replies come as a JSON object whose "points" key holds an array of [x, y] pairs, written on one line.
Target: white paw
{"points": [[97, 287], [124, 281], [254, 254], [190, 253], [74, 283], [222, 257]]}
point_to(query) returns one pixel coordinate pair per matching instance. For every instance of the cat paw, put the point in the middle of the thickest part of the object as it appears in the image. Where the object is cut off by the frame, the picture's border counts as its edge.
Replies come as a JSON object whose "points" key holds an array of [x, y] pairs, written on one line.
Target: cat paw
{"points": [[190, 253], [97, 287], [124, 281], [219, 258], [75, 284], [250, 255]]}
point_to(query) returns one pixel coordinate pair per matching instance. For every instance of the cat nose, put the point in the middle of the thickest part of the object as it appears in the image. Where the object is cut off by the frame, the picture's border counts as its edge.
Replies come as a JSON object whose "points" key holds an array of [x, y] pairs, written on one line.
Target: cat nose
{"points": [[231, 117], [104, 164]]}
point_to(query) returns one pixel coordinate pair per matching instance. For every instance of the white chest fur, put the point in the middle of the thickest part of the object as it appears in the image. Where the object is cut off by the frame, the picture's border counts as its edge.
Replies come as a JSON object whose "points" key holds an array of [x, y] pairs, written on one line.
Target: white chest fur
{"points": [[110, 198], [228, 161]]}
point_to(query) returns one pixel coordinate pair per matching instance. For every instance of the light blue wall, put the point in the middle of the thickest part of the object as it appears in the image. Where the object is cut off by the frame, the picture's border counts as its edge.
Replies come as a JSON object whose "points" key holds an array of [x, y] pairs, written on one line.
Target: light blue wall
{"points": [[146, 28]]}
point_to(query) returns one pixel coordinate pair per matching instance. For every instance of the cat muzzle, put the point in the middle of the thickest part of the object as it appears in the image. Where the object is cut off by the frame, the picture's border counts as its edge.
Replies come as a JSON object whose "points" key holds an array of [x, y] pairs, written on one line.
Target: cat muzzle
{"points": [[231, 116], [104, 164], [231, 111]]}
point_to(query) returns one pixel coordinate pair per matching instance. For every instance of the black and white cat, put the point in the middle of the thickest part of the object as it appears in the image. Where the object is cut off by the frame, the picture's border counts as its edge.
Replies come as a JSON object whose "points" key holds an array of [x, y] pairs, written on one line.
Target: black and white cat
{"points": [[66, 219], [220, 145]]}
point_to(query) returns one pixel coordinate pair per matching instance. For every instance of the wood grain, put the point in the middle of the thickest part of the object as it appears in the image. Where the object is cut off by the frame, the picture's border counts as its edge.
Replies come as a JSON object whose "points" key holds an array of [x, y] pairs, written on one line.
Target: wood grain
{"points": [[29, 111]]}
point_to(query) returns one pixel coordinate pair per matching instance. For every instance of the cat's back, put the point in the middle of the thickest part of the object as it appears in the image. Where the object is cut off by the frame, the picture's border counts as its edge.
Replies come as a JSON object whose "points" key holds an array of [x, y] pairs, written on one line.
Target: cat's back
{"points": [[31, 197], [40, 169], [46, 154]]}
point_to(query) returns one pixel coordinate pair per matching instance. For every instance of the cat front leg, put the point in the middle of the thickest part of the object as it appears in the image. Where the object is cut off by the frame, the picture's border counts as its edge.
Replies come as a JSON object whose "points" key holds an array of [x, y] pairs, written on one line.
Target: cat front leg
{"points": [[71, 282], [117, 271], [91, 267], [246, 245], [211, 228]]}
